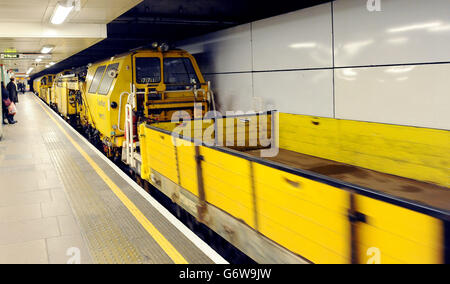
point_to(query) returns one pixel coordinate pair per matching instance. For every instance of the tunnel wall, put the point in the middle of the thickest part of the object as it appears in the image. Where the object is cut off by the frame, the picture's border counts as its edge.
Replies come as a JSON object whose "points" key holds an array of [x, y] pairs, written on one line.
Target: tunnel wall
{"points": [[338, 60]]}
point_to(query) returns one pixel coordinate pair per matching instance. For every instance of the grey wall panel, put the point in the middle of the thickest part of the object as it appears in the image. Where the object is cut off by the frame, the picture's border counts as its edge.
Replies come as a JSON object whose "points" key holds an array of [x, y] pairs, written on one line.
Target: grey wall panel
{"points": [[404, 95], [233, 91], [225, 51], [297, 40], [404, 31], [297, 92]]}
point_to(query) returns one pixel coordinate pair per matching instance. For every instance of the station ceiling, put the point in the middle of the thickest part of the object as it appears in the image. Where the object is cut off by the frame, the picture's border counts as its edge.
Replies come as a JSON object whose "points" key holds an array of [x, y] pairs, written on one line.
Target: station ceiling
{"points": [[174, 20], [25, 27]]}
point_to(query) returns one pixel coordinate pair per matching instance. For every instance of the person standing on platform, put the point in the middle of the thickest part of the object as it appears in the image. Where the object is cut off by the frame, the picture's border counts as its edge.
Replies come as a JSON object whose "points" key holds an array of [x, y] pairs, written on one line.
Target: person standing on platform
{"points": [[6, 99], [12, 89], [21, 86]]}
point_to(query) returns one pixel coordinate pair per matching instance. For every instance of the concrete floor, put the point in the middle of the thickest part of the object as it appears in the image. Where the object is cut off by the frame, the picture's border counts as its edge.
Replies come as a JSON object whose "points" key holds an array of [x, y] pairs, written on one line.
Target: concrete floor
{"points": [[37, 224]]}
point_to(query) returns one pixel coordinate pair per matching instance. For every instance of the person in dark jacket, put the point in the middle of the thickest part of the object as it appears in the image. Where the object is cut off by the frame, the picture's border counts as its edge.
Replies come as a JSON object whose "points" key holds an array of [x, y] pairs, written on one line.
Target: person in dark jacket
{"points": [[6, 115], [21, 87], [12, 89]]}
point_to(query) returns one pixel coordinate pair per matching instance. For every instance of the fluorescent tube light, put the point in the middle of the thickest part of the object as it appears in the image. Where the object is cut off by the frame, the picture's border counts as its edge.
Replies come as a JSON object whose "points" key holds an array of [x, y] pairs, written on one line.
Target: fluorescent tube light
{"points": [[61, 12], [30, 70]]}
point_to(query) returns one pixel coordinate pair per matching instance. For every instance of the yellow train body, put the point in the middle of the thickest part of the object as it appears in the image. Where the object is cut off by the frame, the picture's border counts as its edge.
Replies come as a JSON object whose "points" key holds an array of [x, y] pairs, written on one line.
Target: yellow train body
{"points": [[312, 217], [43, 86], [37, 86], [65, 88]]}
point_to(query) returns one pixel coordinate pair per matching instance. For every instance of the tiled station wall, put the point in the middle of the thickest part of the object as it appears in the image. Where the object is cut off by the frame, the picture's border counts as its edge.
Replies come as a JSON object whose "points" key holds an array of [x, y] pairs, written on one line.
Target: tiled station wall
{"points": [[338, 60]]}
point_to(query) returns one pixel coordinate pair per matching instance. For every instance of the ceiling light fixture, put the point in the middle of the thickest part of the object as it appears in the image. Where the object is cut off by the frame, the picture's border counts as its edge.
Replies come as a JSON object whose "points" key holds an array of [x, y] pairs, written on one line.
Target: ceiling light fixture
{"points": [[61, 12], [47, 49], [52, 63], [38, 60], [29, 70]]}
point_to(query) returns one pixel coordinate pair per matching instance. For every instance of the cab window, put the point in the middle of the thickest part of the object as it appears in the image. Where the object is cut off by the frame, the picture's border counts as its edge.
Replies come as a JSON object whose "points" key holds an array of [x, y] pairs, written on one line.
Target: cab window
{"points": [[179, 74], [96, 80], [148, 70], [108, 80]]}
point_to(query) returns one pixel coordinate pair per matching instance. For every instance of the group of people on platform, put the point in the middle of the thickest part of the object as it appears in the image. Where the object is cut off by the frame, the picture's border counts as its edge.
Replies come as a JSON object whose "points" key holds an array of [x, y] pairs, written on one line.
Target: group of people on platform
{"points": [[21, 87], [10, 97]]}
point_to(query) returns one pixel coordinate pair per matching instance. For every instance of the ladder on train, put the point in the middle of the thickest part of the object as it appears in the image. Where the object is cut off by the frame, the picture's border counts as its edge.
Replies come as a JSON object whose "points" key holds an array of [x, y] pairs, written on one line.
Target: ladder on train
{"points": [[130, 146]]}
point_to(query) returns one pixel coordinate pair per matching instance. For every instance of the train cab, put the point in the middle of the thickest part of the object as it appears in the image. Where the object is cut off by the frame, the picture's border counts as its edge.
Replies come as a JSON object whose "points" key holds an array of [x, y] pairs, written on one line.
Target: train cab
{"points": [[157, 84]]}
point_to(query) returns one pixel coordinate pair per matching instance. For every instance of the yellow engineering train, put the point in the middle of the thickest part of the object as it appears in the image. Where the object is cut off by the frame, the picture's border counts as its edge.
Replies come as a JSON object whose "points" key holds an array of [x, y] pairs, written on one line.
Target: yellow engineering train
{"points": [[154, 85], [282, 188], [67, 89], [43, 87]]}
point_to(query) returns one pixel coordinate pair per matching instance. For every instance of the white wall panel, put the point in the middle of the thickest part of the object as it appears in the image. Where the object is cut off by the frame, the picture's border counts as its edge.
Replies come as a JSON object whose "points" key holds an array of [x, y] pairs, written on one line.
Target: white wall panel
{"points": [[404, 95], [224, 51], [405, 31], [233, 92], [297, 40], [297, 92]]}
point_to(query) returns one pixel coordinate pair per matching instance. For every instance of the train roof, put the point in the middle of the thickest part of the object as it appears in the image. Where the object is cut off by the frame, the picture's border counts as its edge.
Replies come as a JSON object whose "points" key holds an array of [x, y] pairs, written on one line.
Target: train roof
{"points": [[136, 51]]}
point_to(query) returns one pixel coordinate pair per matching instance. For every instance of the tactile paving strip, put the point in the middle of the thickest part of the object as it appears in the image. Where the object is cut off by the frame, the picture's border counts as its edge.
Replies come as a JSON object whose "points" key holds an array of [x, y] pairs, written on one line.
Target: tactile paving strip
{"points": [[111, 232]]}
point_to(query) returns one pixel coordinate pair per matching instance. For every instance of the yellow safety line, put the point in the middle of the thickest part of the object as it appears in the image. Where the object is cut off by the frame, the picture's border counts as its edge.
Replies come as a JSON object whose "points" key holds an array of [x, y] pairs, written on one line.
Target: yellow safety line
{"points": [[170, 250]]}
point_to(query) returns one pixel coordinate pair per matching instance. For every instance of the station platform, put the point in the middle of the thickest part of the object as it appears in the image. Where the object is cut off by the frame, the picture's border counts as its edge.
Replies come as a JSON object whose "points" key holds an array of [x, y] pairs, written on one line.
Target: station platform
{"points": [[62, 201]]}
